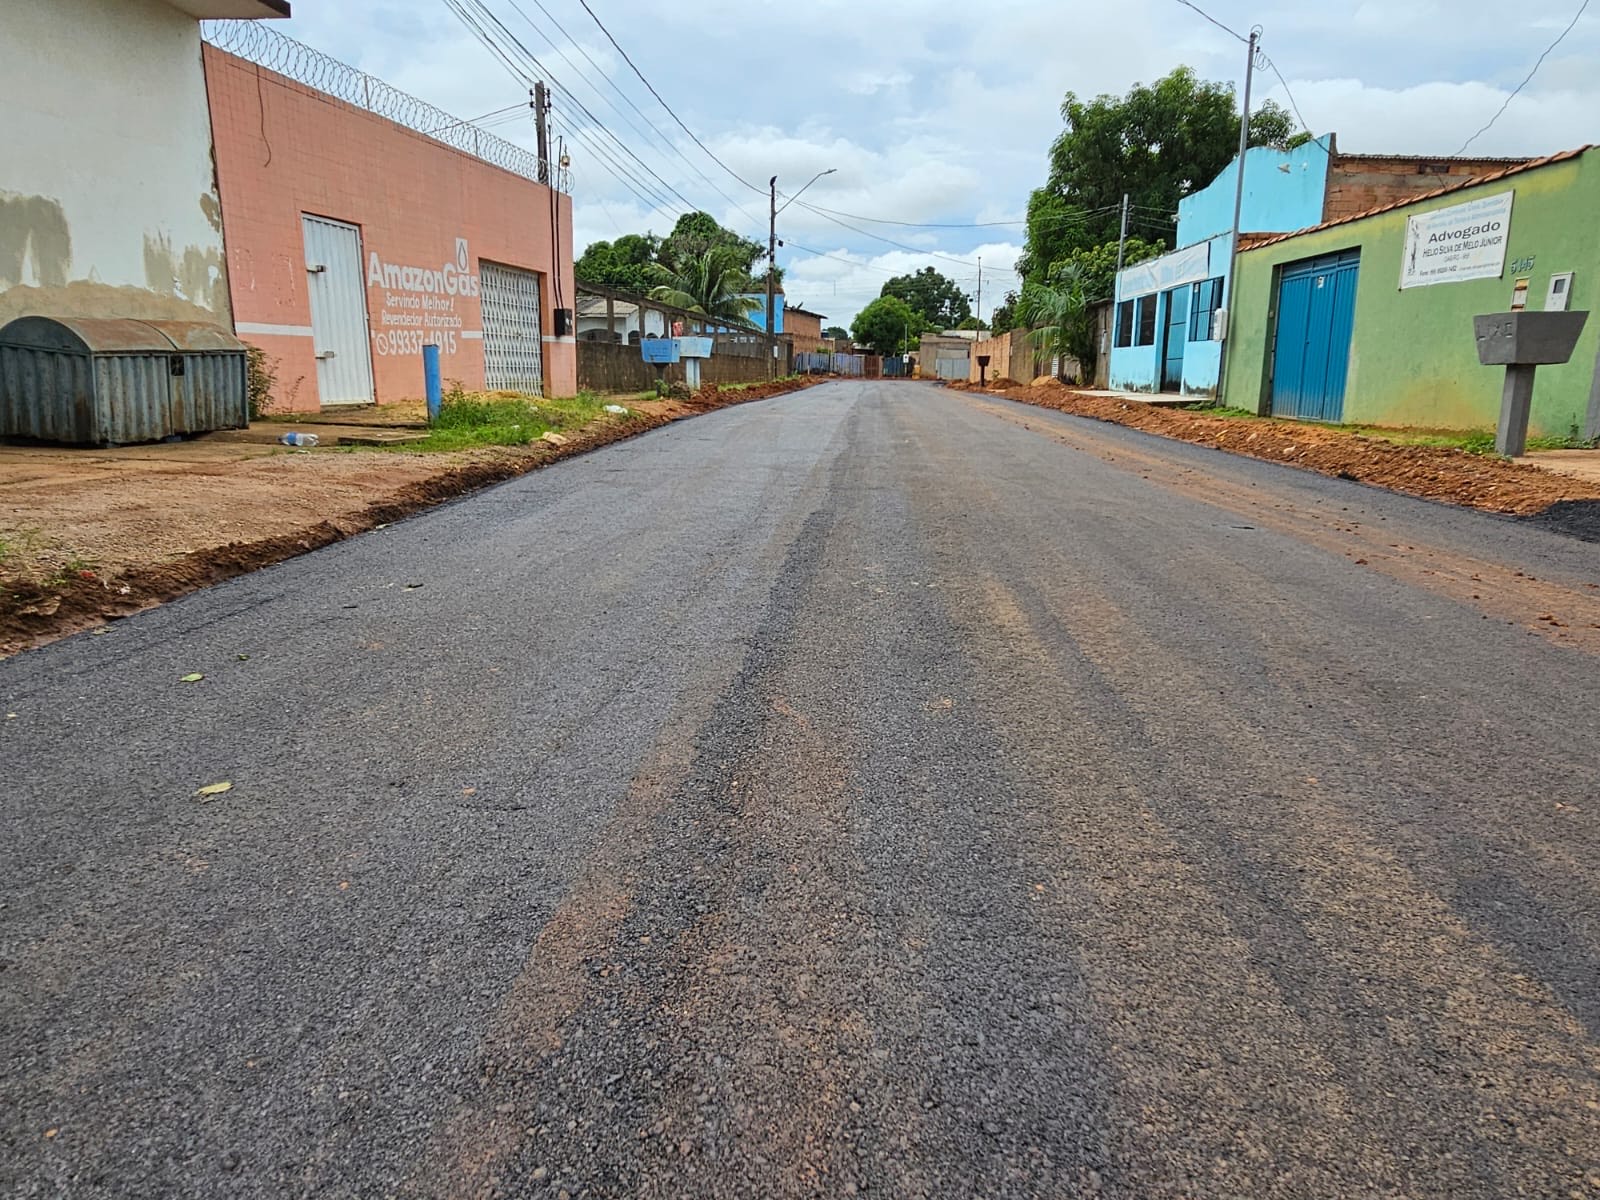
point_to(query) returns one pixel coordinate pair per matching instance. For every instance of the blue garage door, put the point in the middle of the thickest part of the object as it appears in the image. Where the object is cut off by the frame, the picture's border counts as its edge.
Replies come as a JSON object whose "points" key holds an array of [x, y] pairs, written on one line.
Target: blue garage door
{"points": [[1316, 314]]}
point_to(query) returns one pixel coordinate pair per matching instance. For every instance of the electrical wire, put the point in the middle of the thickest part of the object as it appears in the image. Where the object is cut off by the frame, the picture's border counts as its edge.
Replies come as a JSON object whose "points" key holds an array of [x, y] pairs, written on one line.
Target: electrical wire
{"points": [[1561, 37], [472, 12], [661, 137], [664, 104], [488, 118], [1230, 32], [925, 225]]}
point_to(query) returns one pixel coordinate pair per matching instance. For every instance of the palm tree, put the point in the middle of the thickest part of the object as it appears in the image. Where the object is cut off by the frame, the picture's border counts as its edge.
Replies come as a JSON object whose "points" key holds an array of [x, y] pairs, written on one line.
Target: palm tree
{"points": [[702, 284], [1058, 313]]}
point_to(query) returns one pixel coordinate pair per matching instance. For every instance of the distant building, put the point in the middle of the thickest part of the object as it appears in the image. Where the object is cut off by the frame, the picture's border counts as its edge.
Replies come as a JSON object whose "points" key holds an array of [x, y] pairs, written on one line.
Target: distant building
{"points": [[804, 328], [946, 355], [758, 316], [1163, 332]]}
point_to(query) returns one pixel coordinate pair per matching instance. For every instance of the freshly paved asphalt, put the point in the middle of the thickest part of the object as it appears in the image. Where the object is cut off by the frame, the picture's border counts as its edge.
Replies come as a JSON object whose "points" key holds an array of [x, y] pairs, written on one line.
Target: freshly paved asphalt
{"points": [[872, 790]]}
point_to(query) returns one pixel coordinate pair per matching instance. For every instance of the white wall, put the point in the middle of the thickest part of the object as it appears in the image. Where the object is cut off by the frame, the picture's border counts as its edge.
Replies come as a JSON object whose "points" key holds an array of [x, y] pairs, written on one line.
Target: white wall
{"points": [[108, 200]]}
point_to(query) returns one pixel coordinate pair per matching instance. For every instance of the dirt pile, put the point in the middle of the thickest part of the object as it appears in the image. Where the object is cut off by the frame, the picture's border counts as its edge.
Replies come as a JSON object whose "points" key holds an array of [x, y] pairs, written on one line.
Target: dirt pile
{"points": [[131, 571], [1434, 472]]}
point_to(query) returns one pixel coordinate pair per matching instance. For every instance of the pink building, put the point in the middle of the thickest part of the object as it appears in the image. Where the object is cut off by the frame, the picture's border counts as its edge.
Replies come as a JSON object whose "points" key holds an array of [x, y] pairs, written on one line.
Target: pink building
{"points": [[352, 241]]}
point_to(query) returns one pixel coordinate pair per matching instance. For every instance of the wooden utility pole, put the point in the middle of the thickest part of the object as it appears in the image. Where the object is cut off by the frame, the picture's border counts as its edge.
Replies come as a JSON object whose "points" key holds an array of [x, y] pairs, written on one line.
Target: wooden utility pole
{"points": [[540, 107]]}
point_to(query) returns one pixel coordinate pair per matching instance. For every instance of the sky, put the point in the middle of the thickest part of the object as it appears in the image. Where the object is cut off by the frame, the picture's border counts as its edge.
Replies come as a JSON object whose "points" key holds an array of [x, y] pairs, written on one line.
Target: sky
{"points": [[943, 115]]}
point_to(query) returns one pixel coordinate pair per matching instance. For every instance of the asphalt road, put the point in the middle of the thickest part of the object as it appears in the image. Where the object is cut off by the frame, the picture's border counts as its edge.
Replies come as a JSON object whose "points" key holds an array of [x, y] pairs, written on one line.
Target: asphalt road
{"points": [[872, 790]]}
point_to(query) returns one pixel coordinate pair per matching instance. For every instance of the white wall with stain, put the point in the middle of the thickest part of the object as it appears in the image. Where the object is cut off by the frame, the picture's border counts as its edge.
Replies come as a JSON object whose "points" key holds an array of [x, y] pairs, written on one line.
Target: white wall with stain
{"points": [[108, 199]]}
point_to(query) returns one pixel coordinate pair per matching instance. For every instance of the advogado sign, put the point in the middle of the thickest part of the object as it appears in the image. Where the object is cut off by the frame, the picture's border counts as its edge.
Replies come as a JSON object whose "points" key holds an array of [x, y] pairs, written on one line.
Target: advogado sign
{"points": [[1452, 245]]}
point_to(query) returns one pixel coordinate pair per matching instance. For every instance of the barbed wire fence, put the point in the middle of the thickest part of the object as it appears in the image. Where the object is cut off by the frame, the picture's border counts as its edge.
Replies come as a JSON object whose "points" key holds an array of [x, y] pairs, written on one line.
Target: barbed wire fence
{"points": [[258, 42]]}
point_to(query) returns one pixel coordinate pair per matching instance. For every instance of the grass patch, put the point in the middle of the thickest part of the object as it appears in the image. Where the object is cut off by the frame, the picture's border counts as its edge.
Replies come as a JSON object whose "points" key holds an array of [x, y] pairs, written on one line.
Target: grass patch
{"points": [[471, 419], [739, 387], [1213, 410]]}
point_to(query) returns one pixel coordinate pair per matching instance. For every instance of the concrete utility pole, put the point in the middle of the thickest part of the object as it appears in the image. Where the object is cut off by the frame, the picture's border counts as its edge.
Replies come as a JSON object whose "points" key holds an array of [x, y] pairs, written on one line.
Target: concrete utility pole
{"points": [[772, 257], [1122, 238], [1238, 209], [540, 107], [980, 295], [772, 279], [1238, 183]]}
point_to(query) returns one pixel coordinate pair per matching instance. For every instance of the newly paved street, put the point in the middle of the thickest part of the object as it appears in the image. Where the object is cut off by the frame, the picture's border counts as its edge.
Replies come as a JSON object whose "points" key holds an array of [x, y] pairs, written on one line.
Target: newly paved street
{"points": [[873, 790]]}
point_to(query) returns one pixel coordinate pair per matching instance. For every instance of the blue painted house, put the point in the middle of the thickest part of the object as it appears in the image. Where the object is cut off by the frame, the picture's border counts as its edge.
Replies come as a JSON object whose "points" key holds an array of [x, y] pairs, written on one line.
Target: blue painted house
{"points": [[1163, 320], [759, 316]]}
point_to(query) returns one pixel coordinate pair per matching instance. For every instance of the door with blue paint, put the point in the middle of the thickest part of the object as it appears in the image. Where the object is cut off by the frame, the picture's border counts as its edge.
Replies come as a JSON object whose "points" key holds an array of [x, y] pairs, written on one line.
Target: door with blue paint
{"points": [[1311, 354], [1174, 338]]}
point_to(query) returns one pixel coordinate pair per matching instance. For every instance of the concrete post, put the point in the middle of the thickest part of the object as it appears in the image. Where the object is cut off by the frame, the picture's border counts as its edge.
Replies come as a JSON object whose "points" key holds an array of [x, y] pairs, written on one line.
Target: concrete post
{"points": [[1516, 401], [431, 382], [611, 317], [1591, 419]]}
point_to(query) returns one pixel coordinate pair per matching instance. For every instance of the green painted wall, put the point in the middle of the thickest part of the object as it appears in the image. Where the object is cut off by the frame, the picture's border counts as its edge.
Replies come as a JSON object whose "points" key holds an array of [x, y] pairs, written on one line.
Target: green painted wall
{"points": [[1413, 360]]}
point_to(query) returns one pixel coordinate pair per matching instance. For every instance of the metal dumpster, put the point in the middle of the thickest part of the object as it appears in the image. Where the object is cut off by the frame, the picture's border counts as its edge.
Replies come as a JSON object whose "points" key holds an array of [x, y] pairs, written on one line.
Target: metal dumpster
{"points": [[99, 382]]}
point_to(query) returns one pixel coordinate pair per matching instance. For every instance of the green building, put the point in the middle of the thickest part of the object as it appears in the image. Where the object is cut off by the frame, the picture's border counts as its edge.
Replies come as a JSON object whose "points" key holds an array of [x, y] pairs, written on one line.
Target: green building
{"points": [[1369, 319]]}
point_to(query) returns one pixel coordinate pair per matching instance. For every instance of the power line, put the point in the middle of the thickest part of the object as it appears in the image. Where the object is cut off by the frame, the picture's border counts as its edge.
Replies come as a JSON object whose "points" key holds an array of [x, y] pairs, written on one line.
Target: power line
{"points": [[468, 11], [661, 137], [1230, 32], [926, 225], [889, 241], [1582, 8], [664, 104]]}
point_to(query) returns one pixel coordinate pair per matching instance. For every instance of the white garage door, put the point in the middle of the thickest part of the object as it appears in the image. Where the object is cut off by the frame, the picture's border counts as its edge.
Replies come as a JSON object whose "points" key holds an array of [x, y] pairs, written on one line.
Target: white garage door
{"points": [[513, 359]]}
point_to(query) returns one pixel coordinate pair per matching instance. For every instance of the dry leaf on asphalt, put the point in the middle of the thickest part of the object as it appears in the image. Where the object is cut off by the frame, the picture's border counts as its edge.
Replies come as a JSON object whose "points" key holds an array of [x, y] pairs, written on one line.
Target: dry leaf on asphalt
{"points": [[194, 677], [214, 789]]}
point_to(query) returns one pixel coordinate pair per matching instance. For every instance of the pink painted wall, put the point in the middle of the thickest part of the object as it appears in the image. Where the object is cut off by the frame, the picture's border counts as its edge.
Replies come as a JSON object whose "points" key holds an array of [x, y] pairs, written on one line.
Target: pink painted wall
{"points": [[284, 150]]}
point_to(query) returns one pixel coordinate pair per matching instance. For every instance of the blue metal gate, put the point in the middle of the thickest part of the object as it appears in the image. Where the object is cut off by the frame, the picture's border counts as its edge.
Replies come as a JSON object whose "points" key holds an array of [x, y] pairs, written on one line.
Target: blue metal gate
{"points": [[1311, 356], [1176, 336]]}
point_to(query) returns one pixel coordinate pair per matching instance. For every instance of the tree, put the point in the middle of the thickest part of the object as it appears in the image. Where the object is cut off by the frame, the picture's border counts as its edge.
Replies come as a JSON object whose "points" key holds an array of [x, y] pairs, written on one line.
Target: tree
{"points": [[1157, 144], [937, 299], [697, 234], [836, 333], [973, 323], [1096, 266], [1058, 312], [1004, 316], [629, 264], [888, 325], [708, 285], [638, 262]]}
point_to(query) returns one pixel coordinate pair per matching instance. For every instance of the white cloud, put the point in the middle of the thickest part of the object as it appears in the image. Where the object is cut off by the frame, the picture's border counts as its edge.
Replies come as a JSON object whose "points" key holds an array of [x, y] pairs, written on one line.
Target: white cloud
{"points": [[943, 116]]}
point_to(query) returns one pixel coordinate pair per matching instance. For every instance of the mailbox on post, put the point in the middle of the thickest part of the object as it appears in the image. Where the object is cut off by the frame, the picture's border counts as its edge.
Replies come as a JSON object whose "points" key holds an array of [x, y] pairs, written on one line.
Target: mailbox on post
{"points": [[692, 350], [983, 370], [1520, 342], [660, 352]]}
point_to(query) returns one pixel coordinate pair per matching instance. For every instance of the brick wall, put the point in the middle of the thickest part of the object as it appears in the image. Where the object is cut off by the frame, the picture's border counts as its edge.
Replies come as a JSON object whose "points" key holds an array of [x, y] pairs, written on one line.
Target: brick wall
{"points": [[1357, 184], [283, 150]]}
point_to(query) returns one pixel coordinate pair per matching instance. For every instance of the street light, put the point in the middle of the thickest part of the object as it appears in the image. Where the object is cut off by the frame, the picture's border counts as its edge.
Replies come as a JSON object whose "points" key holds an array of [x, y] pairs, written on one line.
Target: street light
{"points": [[772, 253]]}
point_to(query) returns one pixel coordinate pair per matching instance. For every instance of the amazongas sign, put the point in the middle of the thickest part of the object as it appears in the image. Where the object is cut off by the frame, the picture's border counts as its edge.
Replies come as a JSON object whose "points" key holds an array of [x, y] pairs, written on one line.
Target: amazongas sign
{"points": [[418, 304]]}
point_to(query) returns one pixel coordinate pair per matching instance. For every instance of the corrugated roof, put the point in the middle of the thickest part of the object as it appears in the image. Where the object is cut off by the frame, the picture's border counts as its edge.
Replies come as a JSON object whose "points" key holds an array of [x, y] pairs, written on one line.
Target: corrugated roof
{"points": [[1454, 186]]}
